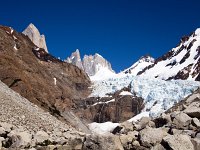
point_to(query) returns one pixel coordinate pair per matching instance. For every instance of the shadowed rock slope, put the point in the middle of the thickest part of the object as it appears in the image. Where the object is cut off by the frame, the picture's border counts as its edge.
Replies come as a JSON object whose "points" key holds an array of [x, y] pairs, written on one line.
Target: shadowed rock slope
{"points": [[38, 76]]}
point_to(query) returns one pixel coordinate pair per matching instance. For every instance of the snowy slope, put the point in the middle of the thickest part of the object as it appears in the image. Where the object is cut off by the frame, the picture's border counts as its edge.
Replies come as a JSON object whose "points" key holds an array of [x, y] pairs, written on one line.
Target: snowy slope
{"points": [[139, 65], [182, 62], [103, 73]]}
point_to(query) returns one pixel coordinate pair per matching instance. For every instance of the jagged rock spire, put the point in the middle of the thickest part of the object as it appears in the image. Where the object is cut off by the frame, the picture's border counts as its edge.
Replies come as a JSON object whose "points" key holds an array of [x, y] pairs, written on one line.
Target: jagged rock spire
{"points": [[34, 35], [91, 64]]}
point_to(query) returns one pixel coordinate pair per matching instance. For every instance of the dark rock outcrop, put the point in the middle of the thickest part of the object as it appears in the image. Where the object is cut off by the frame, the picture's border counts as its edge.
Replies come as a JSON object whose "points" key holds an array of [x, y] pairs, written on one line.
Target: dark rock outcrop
{"points": [[115, 108]]}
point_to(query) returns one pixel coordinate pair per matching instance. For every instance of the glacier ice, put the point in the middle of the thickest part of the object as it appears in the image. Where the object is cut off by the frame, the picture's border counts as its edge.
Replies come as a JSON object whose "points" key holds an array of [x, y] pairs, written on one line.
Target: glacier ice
{"points": [[159, 95]]}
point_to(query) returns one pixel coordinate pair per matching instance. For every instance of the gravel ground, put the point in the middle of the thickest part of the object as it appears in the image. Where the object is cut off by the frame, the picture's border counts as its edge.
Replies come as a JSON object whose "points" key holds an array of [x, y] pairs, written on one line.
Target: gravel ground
{"points": [[18, 111]]}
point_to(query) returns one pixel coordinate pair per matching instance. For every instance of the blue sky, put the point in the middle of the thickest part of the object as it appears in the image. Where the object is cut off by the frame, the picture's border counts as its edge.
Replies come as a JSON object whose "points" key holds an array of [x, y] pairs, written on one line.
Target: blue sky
{"points": [[120, 30]]}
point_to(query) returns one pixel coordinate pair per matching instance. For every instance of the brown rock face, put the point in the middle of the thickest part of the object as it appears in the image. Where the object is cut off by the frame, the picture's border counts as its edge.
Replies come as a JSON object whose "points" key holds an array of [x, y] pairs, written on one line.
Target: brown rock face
{"points": [[37, 75], [116, 108]]}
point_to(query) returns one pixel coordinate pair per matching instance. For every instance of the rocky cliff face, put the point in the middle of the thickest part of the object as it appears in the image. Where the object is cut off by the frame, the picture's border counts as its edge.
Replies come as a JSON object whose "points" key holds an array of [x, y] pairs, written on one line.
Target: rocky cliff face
{"points": [[90, 64], [34, 35], [182, 62], [118, 107], [38, 76]]}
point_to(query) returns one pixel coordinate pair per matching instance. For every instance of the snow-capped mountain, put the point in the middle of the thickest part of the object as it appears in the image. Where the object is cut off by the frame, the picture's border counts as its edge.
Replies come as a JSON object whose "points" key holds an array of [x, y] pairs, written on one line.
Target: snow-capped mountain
{"points": [[152, 80], [143, 62], [91, 64], [182, 62], [34, 35]]}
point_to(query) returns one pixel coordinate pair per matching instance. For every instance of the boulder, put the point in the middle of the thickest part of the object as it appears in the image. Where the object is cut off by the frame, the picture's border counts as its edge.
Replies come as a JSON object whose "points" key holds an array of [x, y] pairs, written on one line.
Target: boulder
{"points": [[193, 110], [198, 135], [1, 140], [2, 131], [158, 147], [41, 137], [196, 143], [182, 121], [176, 131], [126, 141], [144, 121], [136, 143], [192, 97], [20, 139], [127, 126], [195, 122], [160, 122], [151, 136], [178, 142], [167, 117], [6, 126], [189, 132], [103, 142]]}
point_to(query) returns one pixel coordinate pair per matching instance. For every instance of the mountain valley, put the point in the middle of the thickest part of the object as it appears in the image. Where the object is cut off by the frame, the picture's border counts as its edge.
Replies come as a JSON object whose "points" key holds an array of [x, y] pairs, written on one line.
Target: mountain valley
{"points": [[82, 103]]}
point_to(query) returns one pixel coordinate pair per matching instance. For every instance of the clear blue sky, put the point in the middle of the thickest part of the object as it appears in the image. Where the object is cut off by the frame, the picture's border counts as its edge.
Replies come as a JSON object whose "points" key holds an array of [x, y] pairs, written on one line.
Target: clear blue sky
{"points": [[120, 30]]}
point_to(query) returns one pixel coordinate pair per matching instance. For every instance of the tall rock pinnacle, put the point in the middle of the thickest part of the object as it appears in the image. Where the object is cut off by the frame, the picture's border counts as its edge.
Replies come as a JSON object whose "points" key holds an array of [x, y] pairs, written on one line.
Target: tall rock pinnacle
{"points": [[34, 35], [75, 59]]}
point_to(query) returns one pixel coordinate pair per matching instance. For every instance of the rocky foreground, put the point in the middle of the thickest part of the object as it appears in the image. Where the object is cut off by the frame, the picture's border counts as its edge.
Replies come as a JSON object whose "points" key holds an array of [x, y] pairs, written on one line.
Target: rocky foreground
{"points": [[25, 126], [177, 129]]}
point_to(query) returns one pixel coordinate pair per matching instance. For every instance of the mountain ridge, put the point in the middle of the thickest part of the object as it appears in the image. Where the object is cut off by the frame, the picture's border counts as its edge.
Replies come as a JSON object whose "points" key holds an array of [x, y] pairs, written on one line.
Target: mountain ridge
{"points": [[181, 62], [91, 64]]}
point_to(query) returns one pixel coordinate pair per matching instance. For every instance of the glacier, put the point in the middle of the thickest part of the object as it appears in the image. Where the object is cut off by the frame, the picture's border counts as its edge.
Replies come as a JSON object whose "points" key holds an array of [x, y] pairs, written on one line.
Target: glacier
{"points": [[159, 95]]}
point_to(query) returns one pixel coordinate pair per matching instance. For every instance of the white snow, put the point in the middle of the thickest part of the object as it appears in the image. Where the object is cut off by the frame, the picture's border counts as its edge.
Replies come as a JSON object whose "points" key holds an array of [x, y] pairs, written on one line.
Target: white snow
{"points": [[164, 72], [103, 73], [55, 81], [14, 37], [126, 93], [37, 49], [112, 100], [139, 116], [197, 32], [15, 47], [11, 30], [139, 65], [102, 128], [96, 54]]}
